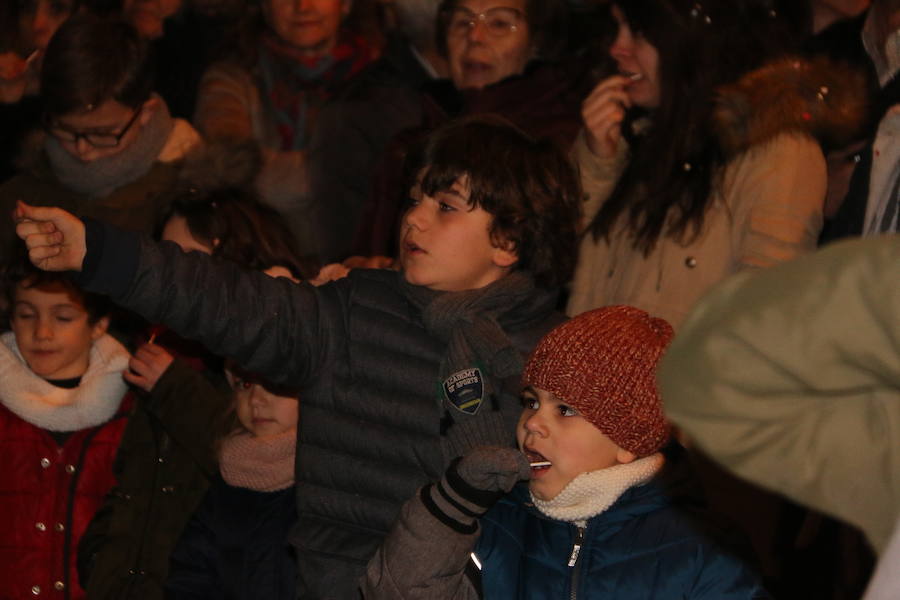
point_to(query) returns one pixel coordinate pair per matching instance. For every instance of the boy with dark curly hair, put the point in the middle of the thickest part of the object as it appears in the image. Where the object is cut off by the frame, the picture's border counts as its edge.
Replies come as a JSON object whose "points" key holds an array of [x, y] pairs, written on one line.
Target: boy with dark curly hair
{"points": [[400, 372]]}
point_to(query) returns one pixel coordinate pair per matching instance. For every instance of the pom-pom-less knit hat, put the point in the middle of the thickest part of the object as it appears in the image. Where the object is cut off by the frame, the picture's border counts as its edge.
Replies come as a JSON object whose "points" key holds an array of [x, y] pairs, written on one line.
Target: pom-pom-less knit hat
{"points": [[603, 364]]}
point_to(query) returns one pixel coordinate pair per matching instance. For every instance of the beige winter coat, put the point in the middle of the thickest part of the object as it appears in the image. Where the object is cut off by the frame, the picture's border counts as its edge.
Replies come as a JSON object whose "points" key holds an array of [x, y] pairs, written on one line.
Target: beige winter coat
{"points": [[767, 210], [790, 377]]}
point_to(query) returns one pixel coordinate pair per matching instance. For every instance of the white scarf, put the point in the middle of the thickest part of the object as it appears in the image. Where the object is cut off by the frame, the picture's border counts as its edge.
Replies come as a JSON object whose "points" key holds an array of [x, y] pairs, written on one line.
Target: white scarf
{"points": [[94, 401], [592, 493]]}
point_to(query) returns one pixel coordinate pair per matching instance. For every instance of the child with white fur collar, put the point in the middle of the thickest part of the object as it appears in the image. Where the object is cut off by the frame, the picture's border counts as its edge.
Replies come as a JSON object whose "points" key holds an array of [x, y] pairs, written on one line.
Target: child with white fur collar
{"points": [[61, 418]]}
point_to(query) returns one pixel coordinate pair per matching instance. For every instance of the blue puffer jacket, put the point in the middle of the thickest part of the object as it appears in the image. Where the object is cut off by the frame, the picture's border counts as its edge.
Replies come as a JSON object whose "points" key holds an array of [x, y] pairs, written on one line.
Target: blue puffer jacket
{"points": [[656, 541]]}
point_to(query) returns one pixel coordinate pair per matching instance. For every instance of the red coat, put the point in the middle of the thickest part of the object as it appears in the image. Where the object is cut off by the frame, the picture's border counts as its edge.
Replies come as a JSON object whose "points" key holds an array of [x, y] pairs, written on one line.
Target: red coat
{"points": [[48, 495]]}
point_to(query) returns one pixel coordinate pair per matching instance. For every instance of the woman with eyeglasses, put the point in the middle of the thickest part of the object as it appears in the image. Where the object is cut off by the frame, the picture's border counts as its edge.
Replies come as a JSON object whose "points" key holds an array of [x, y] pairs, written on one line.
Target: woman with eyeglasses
{"points": [[109, 140], [505, 57]]}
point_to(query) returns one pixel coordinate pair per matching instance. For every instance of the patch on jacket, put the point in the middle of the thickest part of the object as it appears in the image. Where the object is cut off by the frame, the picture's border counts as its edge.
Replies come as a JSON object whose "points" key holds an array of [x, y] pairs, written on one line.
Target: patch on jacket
{"points": [[464, 390]]}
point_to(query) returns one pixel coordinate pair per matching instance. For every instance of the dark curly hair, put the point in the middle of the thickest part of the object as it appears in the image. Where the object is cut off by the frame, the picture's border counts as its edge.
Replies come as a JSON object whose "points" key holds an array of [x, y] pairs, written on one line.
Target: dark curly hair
{"points": [[17, 271], [240, 228], [530, 187], [93, 59]]}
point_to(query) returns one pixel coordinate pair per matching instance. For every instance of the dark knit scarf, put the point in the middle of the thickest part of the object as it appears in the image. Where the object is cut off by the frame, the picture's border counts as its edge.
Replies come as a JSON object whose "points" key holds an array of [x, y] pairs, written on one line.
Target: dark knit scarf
{"points": [[474, 325], [103, 176], [296, 87]]}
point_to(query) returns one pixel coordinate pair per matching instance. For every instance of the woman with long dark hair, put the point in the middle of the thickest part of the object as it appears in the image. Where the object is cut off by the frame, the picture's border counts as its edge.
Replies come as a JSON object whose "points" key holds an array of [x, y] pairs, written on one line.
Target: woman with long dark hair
{"points": [[700, 156]]}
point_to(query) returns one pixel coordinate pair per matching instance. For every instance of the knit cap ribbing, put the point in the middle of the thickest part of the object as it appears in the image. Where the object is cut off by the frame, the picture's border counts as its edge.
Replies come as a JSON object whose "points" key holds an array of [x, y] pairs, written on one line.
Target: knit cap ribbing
{"points": [[603, 364]]}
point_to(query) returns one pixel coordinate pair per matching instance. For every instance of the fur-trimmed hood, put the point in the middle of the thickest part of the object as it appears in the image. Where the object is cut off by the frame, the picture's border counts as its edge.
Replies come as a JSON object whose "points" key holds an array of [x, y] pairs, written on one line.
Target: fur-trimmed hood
{"points": [[818, 97], [220, 164]]}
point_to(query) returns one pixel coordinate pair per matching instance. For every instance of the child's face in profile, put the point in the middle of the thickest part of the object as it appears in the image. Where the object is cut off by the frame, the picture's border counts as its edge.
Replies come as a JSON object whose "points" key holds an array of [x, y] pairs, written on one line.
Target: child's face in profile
{"points": [[261, 411], [551, 431], [446, 244], [53, 330]]}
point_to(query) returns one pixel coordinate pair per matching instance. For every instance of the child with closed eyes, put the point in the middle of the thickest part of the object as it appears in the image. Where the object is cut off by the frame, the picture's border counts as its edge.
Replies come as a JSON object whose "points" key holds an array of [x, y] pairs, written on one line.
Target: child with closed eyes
{"points": [[606, 513], [63, 410]]}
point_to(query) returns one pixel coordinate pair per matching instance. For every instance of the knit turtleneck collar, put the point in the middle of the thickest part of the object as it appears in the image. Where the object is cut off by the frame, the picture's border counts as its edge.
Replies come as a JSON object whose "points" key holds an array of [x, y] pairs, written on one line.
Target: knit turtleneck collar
{"points": [[39, 402], [259, 464], [592, 493]]}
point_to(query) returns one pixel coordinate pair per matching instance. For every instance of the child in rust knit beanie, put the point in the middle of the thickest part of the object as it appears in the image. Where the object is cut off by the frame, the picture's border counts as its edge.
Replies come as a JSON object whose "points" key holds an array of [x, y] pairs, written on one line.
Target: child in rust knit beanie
{"points": [[599, 517]]}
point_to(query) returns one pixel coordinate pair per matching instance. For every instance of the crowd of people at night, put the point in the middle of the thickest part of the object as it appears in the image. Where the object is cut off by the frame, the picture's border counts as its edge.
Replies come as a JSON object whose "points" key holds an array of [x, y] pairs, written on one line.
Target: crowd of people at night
{"points": [[450, 299]]}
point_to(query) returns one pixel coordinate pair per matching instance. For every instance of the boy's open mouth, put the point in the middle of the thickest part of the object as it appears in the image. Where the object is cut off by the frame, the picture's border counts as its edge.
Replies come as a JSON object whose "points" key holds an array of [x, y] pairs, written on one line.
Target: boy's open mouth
{"points": [[632, 76], [412, 247], [537, 460]]}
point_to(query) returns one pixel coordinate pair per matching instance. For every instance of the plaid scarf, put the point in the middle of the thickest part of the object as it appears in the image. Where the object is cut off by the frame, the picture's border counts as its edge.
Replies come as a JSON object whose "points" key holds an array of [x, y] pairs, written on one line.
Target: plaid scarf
{"points": [[296, 87]]}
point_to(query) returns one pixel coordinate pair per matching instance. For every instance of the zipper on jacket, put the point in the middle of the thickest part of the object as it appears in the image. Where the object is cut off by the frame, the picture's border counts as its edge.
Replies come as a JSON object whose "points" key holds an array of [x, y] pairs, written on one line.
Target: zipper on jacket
{"points": [[573, 561]]}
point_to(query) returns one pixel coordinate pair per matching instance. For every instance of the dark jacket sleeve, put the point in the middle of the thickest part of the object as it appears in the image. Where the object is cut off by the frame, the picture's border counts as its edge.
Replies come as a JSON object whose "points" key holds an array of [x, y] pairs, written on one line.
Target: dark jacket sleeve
{"points": [[273, 327], [724, 576], [192, 568]]}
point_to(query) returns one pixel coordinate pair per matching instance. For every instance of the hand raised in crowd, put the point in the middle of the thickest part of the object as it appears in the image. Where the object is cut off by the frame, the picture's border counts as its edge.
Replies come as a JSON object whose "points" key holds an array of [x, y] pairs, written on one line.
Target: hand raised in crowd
{"points": [[147, 365], [12, 77], [369, 262], [330, 272], [17, 77], [335, 271], [602, 112], [55, 238]]}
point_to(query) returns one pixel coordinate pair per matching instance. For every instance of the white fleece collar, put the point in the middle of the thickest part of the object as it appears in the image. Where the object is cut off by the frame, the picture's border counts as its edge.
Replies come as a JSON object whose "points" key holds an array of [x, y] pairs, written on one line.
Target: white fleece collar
{"points": [[592, 493], [94, 401]]}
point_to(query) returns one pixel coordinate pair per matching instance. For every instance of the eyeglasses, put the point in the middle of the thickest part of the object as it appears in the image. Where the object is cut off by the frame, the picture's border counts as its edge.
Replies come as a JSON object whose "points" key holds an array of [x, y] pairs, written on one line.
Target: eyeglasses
{"points": [[498, 22], [97, 140]]}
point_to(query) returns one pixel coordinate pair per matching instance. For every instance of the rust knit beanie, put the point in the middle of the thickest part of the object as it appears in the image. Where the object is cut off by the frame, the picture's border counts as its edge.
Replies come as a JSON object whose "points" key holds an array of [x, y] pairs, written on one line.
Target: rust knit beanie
{"points": [[603, 364]]}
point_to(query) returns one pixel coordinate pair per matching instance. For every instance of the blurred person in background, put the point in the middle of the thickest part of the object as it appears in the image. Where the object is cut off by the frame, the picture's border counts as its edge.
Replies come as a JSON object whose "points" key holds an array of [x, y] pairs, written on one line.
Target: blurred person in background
{"points": [[291, 58], [870, 205], [109, 141], [506, 58], [356, 127], [26, 27]]}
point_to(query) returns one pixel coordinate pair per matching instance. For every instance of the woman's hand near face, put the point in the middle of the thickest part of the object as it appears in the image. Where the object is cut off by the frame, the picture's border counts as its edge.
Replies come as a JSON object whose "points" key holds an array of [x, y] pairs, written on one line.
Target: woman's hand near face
{"points": [[13, 77], [603, 112]]}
